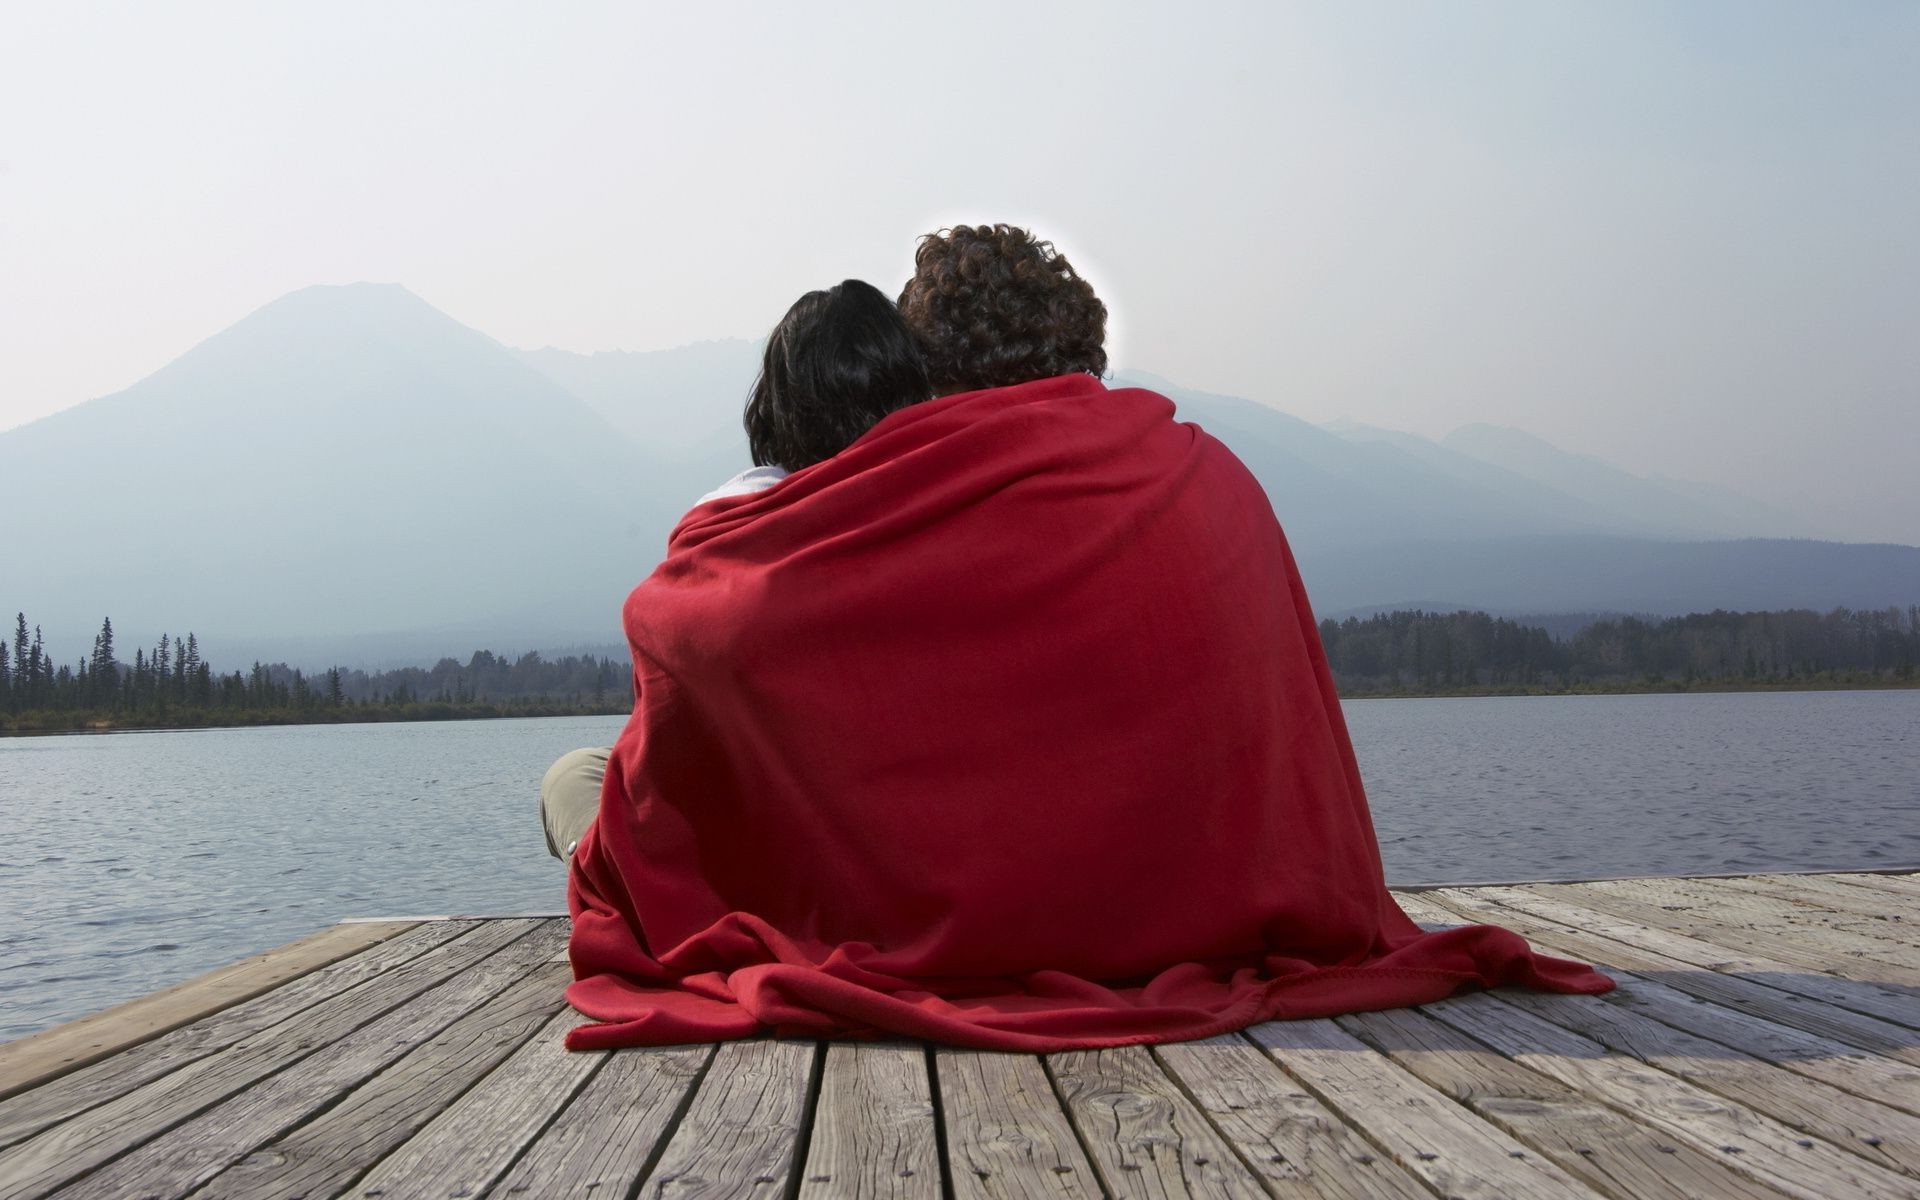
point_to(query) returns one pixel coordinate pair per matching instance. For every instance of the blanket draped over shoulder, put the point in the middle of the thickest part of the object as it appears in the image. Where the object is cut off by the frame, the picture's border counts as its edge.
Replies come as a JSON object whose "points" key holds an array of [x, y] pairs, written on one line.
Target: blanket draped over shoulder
{"points": [[1008, 727]]}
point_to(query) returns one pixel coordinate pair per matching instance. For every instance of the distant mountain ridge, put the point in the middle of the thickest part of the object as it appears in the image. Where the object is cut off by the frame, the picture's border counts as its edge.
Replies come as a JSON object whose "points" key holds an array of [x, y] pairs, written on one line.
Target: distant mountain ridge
{"points": [[342, 461], [349, 466]]}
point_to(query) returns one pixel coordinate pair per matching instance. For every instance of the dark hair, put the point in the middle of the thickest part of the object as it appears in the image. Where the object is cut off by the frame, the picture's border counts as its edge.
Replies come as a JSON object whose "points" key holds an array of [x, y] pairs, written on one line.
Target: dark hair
{"points": [[992, 306], [835, 364]]}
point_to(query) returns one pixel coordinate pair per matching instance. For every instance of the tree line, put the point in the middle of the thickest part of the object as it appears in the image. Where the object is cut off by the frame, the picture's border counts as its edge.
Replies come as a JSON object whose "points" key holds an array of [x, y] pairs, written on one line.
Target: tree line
{"points": [[1410, 652], [1418, 652], [171, 684]]}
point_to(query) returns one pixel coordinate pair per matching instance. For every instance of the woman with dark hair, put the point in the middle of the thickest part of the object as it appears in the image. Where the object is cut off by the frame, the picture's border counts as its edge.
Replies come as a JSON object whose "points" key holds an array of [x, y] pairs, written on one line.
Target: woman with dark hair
{"points": [[835, 364]]}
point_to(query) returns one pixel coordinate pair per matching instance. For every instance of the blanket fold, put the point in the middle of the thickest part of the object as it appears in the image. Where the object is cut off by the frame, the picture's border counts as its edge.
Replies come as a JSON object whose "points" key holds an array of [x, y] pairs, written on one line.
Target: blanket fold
{"points": [[1009, 726]]}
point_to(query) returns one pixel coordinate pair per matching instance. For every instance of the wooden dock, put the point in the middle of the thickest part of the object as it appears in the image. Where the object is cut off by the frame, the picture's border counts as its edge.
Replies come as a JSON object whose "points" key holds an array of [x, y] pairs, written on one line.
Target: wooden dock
{"points": [[1764, 1041]]}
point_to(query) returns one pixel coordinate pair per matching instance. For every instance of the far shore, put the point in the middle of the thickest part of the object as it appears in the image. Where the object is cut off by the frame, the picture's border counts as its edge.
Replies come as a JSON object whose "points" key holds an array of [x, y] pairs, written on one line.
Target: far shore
{"points": [[1669, 687], [43, 724], [85, 723]]}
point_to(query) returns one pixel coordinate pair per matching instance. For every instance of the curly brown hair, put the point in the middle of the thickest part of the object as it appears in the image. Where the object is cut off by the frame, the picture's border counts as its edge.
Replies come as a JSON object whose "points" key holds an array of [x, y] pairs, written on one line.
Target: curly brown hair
{"points": [[992, 305]]}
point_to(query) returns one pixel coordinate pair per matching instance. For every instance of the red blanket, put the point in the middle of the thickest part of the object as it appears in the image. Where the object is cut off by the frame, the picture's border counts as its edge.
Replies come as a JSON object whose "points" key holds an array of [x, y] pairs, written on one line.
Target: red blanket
{"points": [[1009, 726]]}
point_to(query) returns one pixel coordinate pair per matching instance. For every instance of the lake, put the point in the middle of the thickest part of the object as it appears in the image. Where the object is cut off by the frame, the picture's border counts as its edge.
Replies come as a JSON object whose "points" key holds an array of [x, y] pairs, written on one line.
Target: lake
{"points": [[131, 861]]}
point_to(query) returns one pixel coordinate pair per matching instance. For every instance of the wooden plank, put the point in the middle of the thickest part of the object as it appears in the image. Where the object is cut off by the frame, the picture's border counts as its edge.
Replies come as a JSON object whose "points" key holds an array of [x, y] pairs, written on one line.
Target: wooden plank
{"points": [[1888, 1004], [1754, 1144], [1850, 1068], [1458, 1155], [1144, 1136], [1300, 1148], [604, 1142], [1007, 1135], [473, 1142], [29, 1061], [1749, 995], [1874, 1131], [742, 1134], [29, 1112], [1426, 909], [1601, 1147], [1834, 951], [326, 1154], [201, 1147], [1866, 987], [81, 1143], [1871, 935], [1897, 885], [1820, 892], [874, 1130]]}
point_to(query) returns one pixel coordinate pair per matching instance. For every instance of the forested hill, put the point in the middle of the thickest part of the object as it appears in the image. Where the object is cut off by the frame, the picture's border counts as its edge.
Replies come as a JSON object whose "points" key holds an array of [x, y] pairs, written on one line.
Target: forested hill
{"points": [[1413, 652]]}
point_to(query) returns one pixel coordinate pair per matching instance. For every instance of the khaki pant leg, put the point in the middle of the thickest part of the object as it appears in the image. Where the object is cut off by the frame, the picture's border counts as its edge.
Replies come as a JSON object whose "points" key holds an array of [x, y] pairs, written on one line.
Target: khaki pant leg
{"points": [[570, 797]]}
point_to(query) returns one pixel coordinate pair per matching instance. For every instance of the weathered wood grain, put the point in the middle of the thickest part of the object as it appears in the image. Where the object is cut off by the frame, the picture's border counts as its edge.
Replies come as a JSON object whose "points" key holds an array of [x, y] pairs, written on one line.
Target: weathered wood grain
{"points": [[1907, 886], [1300, 1148], [1455, 1152], [1770, 1151], [608, 1136], [1832, 1062], [1833, 951], [1739, 992], [1007, 1136], [1145, 1137], [874, 1132], [32, 1060], [472, 1143], [1596, 1144], [1825, 894], [28, 1112], [322, 1156], [78, 1145], [1874, 1131], [1878, 936], [1786, 967], [742, 1134], [200, 1147]]}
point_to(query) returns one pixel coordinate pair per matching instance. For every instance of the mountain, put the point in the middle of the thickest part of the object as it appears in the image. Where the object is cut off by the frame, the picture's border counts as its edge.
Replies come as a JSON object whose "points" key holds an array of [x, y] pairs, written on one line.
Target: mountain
{"points": [[349, 475], [682, 401], [1697, 509], [345, 461], [1331, 490]]}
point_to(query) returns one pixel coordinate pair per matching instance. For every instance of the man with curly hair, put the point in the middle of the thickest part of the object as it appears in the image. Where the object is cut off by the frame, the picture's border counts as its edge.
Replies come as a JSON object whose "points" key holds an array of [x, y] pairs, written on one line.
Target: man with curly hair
{"points": [[994, 306]]}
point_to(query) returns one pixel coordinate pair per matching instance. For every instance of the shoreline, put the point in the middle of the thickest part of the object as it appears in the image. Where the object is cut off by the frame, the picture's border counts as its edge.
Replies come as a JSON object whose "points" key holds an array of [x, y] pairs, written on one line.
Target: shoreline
{"points": [[93, 723], [1668, 688], [86, 724]]}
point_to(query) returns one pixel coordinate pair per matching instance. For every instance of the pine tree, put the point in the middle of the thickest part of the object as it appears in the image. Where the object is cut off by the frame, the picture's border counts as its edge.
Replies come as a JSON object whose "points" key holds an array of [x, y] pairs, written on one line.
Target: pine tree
{"points": [[39, 670], [20, 650], [102, 671]]}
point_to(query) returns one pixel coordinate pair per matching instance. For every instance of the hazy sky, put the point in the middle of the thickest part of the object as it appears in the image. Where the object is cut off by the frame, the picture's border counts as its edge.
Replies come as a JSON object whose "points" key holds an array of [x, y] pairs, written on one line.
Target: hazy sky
{"points": [[1679, 235]]}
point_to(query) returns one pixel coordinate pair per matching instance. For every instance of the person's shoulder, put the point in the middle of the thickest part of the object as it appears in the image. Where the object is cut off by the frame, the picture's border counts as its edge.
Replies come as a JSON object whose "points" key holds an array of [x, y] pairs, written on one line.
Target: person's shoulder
{"points": [[753, 479]]}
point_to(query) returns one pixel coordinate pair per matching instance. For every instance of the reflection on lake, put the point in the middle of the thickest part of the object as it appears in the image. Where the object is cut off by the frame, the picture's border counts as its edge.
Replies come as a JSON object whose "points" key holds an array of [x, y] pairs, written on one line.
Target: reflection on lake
{"points": [[131, 861]]}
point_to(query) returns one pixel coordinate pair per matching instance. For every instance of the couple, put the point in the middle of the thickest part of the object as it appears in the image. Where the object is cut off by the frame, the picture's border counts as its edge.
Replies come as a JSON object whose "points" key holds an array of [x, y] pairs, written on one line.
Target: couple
{"points": [[988, 708]]}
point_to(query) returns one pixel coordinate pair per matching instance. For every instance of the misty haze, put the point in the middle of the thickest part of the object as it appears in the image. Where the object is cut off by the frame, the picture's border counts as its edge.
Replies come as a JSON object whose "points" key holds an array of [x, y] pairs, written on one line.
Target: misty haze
{"points": [[1061, 600], [373, 481]]}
